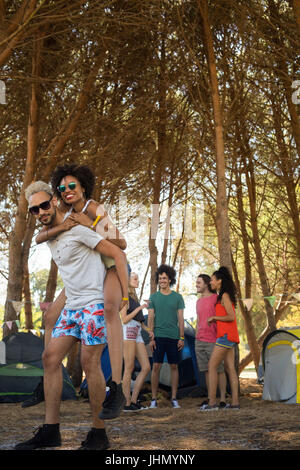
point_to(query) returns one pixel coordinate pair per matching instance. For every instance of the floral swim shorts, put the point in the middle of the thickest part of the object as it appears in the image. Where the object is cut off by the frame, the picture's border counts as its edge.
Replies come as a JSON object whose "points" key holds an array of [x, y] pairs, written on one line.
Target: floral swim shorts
{"points": [[86, 324]]}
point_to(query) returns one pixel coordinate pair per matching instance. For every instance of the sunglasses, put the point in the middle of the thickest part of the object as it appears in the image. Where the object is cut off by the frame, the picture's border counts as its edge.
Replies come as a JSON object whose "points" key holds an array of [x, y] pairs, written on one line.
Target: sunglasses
{"points": [[44, 206], [61, 188]]}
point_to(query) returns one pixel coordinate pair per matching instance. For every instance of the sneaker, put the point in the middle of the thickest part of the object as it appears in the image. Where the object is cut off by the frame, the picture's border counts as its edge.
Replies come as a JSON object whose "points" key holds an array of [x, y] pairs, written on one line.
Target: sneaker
{"points": [[113, 403], [175, 403], [222, 404], [135, 407], [153, 404], [37, 396], [44, 437], [232, 407], [96, 439], [209, 408], [204, 403]]}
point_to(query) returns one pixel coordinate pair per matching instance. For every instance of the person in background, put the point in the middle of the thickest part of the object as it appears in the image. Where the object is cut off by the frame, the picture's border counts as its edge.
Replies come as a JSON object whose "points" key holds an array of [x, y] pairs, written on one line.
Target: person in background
{"points": [[134, 346], [227, 338], [206, 335], [165, 319]]}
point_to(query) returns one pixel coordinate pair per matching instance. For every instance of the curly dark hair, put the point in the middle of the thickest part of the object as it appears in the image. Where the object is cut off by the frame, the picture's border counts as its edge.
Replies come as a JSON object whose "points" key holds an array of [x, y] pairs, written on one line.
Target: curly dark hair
{"points": [[227, 285], [82, 173], [170, 272]]}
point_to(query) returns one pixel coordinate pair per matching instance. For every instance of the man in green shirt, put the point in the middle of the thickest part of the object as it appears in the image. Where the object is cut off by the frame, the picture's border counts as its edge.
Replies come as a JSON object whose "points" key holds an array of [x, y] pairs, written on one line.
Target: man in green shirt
{"points": [[165, 319]]}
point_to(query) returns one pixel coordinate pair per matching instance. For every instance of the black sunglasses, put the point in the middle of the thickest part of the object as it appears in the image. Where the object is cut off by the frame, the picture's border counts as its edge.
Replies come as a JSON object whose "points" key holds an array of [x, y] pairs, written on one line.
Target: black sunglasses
{"points": [[61, 188], [44, 206]]}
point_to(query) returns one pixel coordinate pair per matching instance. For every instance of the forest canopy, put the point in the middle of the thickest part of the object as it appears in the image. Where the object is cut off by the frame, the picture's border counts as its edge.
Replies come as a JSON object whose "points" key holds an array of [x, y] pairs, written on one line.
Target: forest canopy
{"points": [[188, 114]]}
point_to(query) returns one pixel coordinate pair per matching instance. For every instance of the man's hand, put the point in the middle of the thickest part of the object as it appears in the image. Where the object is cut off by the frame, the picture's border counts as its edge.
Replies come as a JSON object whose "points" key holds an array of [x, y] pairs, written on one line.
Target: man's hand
{"points": [[180, 344], [152, 344], [151, 335]]}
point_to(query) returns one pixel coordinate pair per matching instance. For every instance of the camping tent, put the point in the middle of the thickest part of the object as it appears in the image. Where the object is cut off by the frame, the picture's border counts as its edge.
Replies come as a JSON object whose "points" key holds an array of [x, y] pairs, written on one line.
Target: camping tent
{"points": [[106, 369], [21, 368], [281, 366], [187, 367], [189, 375]]}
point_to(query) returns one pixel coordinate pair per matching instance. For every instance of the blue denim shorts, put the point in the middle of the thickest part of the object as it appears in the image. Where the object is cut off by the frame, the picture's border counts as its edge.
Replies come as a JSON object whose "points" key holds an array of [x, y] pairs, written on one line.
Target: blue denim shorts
{"points": [[224, 342]]}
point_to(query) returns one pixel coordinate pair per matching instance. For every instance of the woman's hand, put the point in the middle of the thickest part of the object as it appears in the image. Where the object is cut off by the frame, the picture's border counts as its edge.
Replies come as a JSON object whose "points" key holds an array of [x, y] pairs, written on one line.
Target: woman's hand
{"points": [[210, 320], [68, 224], [80, 218]]}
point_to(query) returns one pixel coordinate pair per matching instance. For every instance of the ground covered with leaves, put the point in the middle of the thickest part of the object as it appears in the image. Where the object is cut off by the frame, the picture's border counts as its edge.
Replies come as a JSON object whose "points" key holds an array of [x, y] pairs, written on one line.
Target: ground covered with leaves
{"points": [[258, 425]]}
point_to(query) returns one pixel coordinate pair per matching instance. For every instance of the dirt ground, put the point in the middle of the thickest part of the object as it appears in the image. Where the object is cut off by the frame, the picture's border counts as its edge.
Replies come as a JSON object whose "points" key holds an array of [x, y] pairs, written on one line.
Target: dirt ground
{"points": [[259, 425]]}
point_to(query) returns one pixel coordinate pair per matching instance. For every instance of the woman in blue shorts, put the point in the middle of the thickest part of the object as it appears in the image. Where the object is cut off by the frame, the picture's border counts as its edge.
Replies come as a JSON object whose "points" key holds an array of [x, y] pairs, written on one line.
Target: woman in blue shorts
{"points": [[227, 337]]}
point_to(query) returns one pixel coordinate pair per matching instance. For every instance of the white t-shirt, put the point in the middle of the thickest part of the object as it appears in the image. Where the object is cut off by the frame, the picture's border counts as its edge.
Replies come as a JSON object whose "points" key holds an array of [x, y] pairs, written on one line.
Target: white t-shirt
{"points": [[80, 266]]}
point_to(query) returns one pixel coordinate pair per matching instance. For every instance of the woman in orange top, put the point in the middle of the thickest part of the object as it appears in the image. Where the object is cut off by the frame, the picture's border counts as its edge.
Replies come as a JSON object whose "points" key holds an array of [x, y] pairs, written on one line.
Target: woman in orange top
{"points": [[227, 337]]}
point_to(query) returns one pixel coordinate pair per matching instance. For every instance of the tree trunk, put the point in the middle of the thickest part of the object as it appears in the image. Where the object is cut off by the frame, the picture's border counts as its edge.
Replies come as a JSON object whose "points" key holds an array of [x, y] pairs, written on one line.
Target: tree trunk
{"points": [[250, 178], [286, 165], [16, 259], [16, 29], [249, 328], [296, 8], [281, 68], [159, 165], [53, 152], [222, 220]]}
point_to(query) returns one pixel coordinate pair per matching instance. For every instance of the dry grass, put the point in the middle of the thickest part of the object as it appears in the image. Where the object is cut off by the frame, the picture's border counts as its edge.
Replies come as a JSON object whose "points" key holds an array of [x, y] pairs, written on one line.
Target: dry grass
{"points": [[259, 425]]}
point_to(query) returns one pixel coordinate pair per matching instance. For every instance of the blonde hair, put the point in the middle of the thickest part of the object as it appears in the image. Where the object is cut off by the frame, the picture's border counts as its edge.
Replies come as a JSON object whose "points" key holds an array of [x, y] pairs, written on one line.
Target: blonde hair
{"points": [[36, 187], [131, 290]]}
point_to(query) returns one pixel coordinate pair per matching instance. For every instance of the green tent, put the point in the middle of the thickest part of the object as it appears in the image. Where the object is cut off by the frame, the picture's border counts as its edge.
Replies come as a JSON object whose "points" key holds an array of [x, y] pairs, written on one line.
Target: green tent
{"points": [[21, 368]]}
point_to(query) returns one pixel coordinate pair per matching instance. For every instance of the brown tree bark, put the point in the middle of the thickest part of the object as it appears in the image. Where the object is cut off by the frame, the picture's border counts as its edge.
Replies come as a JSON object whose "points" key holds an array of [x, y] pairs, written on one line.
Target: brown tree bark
{"points": [[249, 328], [282, 71], [14, 33], [296, 8], [251, 184], [222, 220], [159, 168], [288, 178], [17, 249]]}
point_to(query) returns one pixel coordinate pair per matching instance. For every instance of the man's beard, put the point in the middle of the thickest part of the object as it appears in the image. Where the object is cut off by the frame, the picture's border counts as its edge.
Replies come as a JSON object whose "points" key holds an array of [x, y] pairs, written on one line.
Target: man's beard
{"points": [[50, 221]]}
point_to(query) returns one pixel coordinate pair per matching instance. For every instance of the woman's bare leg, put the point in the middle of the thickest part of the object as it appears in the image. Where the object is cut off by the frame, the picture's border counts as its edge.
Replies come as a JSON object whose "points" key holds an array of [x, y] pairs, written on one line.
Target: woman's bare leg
{"points": [[216, 358], [142, 356], [112, 301], [129, 350], [233, 378]]}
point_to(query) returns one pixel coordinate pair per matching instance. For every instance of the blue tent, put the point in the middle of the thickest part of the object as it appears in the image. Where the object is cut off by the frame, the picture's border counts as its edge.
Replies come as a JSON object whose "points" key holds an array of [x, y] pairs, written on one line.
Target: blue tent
{"points": [[106, 369]]}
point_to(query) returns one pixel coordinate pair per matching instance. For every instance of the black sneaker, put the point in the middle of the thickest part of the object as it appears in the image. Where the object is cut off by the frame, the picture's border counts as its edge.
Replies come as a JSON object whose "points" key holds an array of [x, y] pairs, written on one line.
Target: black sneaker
{"points": [[95, 440], [113, 403], [46, 436], [135, 407], [37, 397]]}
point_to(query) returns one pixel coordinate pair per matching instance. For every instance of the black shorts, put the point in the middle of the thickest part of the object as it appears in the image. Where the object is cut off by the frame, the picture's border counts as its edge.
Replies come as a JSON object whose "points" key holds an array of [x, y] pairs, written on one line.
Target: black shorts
{"points": [[166, 346]]}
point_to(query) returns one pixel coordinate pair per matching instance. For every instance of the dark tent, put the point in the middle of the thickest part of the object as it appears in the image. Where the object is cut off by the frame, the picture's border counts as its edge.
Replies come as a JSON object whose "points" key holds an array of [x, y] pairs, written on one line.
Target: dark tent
{"points": [[189, 375], [23, 367]]}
